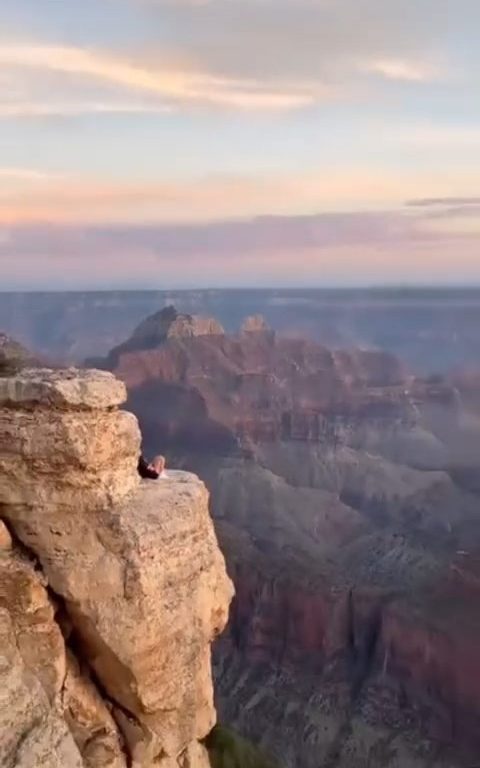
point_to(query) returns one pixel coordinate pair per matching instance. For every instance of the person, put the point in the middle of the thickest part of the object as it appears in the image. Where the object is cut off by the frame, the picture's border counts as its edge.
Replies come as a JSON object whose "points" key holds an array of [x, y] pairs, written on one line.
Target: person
{"points": [[152, 470]]}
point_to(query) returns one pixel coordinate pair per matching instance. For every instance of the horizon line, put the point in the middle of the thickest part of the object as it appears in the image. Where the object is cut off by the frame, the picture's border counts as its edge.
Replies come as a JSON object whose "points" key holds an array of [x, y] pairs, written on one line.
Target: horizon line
{"points": [[434, 287]]}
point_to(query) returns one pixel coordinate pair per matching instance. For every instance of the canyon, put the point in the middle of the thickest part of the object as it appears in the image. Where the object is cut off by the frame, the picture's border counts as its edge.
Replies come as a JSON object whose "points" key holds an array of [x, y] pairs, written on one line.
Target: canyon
{"points": [[349, 530], [433, 330], [112, 589]]}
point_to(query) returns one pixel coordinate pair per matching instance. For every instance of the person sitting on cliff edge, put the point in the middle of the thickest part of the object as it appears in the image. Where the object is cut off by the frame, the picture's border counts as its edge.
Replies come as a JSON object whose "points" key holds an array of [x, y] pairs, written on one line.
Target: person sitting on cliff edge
{"points": [[152, 470]]}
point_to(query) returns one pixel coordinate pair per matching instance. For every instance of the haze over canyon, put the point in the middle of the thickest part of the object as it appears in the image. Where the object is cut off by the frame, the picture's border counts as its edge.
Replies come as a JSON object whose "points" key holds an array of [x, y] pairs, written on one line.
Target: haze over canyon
{"points": [[344, 486], [241, 237]]}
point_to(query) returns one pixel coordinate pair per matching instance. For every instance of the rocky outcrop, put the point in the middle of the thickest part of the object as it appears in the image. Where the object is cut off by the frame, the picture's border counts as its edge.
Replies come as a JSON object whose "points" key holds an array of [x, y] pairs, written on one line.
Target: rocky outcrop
{"points": [[170, 324], [13, 356], [434, 331], [221, 392], [32, 669], [167, 324], [254, 324], [113, 591]]}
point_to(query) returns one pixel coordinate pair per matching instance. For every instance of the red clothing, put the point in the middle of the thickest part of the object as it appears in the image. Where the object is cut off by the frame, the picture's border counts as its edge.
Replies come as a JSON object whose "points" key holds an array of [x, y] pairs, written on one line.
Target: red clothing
{"points": [[145, 471]]}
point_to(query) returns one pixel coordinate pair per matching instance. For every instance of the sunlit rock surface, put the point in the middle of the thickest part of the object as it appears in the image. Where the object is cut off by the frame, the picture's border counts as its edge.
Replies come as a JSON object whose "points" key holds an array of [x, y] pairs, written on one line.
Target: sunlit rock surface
{"points": [[111, 665]]}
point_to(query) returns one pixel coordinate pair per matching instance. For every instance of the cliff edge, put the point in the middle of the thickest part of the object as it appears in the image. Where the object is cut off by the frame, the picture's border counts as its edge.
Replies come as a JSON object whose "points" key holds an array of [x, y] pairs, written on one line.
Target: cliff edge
{"points": [[111, 588]]}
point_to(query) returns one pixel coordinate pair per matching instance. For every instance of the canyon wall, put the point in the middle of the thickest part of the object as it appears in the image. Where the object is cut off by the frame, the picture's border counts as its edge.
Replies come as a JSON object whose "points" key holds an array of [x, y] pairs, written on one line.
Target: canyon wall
{"points": [[111, 588], [350, 540], [433, 329]]}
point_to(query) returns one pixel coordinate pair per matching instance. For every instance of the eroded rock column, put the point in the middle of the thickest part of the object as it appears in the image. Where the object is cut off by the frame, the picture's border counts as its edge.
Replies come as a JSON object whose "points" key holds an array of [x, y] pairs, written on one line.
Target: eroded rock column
{"points": [[134, 565]]}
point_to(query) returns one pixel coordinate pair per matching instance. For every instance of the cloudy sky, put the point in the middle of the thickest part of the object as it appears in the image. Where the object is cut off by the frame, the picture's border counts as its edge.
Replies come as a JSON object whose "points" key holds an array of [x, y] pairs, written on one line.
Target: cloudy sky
{"points": [[239, 142]]}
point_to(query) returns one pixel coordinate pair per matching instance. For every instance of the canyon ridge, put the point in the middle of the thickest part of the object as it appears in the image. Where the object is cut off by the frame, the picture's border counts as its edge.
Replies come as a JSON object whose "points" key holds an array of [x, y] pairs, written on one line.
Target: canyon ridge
{"points": [[349, 529]]}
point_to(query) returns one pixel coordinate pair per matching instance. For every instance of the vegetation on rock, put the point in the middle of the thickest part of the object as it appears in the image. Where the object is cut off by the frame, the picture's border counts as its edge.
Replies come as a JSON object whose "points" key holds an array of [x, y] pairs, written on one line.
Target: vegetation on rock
{"points": [[228, 750]]}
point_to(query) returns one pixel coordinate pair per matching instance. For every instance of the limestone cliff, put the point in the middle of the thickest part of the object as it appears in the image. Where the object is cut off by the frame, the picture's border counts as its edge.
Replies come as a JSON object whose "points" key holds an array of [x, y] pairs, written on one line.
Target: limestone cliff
{"points": [[111, 589]]}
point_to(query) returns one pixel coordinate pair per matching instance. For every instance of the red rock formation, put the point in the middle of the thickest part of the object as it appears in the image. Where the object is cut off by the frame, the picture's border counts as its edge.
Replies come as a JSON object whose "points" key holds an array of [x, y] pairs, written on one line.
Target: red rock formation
{"points": [[257, 385], [340, 537]]}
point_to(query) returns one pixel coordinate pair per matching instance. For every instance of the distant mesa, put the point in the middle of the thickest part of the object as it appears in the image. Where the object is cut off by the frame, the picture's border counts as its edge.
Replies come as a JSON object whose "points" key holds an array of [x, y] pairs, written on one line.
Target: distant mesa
{"points": [[167, 324], [255, 324], [170, 324]]}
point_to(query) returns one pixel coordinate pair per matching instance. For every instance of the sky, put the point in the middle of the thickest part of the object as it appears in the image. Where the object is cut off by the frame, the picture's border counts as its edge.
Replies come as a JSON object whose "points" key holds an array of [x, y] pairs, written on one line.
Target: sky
{"points": [[185, 143]]}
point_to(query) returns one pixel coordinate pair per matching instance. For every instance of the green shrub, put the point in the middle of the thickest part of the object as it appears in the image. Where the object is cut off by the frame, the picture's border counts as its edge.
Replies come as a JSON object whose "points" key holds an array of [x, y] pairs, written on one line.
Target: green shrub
{"points": [[228, 750]]}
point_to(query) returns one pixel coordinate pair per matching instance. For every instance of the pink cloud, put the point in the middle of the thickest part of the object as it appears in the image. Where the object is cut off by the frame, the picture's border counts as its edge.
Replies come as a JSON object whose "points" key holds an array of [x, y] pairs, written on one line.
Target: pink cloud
{"points": [[324, 249]]}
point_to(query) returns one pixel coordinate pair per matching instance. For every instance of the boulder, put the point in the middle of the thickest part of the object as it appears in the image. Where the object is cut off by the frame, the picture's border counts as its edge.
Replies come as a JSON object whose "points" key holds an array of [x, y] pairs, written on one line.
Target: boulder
{"points": [[254, 324]]}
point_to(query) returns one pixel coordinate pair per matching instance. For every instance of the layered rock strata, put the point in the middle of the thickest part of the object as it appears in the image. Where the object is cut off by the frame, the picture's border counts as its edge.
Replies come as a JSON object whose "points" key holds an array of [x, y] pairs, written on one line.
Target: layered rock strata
{"points": [[350, 539], [111, 591]]}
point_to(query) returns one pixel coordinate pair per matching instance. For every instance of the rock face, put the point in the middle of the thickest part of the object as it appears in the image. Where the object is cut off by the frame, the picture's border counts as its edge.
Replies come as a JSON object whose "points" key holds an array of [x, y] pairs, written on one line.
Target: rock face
{"points": [[110, 609], [434, 331], [32, 670], [13, 356], [168, 324], [226, 392], [342, 519], [254, 324]]}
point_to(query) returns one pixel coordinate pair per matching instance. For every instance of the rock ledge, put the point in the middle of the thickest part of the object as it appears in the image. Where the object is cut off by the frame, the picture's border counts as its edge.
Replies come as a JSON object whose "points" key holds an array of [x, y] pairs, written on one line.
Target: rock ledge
{"points": [[71, 388]]}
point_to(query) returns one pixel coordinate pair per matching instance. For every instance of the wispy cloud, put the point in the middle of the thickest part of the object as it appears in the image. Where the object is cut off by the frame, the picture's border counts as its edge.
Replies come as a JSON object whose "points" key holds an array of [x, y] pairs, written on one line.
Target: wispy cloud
{"points": [[448, 216], [429, 202], [376, 247], [402, 69], [95, 199], [24, 174], [170, 84], [32, 109], [315, 39]]}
